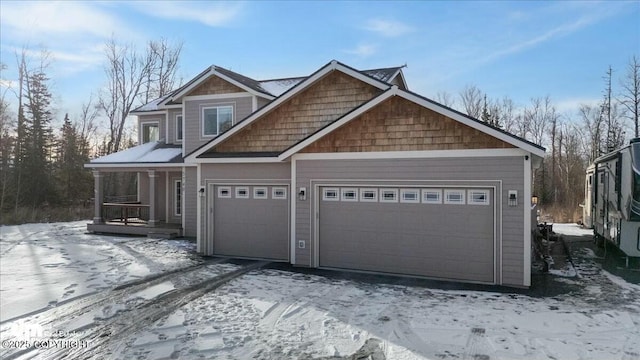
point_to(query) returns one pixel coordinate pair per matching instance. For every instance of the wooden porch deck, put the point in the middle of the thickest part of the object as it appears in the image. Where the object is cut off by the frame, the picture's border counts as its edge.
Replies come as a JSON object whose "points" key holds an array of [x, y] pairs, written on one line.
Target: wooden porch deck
{"points": [[161, 230]]}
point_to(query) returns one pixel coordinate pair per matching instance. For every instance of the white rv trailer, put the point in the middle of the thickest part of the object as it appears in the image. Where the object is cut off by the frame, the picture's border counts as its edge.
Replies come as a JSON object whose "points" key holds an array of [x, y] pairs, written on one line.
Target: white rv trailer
{"points": [[612, 198]]}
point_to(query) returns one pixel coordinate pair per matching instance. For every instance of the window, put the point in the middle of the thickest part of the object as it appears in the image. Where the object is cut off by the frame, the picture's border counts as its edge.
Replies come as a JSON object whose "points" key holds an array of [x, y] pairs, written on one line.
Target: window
{"points": [[410, 196], [242, 192], [432, 196], [330, 194], [453, 196], [349, 194], [178, 127], [150, 132], [279, 193], [224, 192], [369, 195], [478, 197], [177, 196], [389, 195], [260, 193], [216, 120]]}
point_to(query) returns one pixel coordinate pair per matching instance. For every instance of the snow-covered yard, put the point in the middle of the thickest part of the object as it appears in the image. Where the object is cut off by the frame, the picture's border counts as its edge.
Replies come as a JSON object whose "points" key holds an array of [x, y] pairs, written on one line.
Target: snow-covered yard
{"points": [[56, 276]]}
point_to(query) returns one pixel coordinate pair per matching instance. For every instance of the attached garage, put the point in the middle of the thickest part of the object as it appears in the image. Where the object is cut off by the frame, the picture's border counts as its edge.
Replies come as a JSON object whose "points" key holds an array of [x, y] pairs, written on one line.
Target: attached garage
{"points": [[435, 231], [250, 221]]}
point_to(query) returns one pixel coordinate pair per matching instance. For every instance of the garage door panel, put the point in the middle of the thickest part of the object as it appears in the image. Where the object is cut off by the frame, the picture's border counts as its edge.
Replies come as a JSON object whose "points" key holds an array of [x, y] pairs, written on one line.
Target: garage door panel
{"points": [[437, 240], [250, 227]]}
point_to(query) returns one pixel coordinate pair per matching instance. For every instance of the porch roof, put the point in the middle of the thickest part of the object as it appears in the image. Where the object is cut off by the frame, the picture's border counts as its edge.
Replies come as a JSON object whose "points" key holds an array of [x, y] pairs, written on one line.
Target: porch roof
{"points": [[150, 153]]}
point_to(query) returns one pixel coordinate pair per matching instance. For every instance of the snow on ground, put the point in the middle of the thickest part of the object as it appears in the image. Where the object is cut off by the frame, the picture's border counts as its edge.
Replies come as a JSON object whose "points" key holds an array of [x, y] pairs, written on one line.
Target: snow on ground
{"points": [[571, 230], [45, 264], [277, 314]]}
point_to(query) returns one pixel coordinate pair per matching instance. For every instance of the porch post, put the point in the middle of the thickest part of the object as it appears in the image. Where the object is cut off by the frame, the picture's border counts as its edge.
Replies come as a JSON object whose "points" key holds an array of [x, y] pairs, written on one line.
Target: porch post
{"points": [[97, 196], [152, 198]]}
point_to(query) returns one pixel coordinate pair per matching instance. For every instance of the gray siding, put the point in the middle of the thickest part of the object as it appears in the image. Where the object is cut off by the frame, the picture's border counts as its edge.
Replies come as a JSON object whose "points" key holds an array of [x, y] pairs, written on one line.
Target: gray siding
{"points": [[262, 102], [242, 107], [190, 191], [508, 170], [171, 128], [160, 119]]}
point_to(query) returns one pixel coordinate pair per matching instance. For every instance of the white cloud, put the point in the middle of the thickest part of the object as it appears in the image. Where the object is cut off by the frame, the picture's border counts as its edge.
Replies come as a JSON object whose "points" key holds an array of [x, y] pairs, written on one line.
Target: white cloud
{"points": [[208, 13], [387, 28], [37, 20], [571, 105], [363, 50]]}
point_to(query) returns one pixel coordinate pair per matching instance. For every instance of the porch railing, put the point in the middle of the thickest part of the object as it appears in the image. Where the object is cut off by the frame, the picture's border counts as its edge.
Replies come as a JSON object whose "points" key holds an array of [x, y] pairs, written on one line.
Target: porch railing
{"points": [[127, 213]]}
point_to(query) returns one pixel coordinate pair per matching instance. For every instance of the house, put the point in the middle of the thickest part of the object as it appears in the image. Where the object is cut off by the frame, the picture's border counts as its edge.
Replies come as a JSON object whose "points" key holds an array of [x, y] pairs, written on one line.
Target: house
{"points": [[341, 169]]}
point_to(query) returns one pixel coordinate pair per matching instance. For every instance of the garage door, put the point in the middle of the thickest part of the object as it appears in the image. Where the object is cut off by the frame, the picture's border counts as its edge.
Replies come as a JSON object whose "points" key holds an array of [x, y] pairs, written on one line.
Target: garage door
{"points": [[251, 221], [434, 232]]}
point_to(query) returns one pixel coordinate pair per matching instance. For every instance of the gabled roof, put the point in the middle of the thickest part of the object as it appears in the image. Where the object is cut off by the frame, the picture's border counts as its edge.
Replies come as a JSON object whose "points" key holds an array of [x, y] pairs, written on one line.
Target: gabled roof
{"points": [[422, 101], [156, 152], [328, 68]]}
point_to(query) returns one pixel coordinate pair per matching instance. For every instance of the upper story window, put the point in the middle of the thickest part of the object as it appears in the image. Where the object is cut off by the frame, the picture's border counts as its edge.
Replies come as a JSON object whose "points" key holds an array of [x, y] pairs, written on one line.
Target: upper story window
{"points": [[178, 127], [150, 132], [216, 120]]}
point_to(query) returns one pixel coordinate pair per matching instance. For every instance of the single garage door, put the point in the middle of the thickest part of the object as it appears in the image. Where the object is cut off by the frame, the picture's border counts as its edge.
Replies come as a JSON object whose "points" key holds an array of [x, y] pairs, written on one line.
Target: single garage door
{"points": [[433, 232], [251, 221]]}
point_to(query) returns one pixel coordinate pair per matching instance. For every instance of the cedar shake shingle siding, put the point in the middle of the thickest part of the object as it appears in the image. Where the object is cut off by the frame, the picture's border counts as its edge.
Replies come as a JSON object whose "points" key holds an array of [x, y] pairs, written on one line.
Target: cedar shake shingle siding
{"points": [[401, 125], [320, 104], [215, 85]]}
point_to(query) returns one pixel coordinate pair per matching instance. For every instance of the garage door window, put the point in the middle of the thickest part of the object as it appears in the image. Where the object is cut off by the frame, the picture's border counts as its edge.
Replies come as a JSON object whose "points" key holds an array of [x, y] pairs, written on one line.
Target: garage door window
{"points": [[478, 197], [432, 196], [389, 195], [349, 194], [279, 193], [330, 194], [454, 197], [369, 195], [224, 192], [242, 192], [410, 196], [260, 193]]}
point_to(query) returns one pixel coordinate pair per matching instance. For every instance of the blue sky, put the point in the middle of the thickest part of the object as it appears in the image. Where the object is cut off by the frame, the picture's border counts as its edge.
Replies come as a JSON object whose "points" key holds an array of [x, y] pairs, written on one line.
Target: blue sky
{"points": [[519, 49]]}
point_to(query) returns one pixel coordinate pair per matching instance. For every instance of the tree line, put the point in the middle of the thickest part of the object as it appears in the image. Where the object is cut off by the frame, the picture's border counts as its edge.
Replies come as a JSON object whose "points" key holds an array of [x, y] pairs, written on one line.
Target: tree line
{"points": [[42, 157], [42, 165]]}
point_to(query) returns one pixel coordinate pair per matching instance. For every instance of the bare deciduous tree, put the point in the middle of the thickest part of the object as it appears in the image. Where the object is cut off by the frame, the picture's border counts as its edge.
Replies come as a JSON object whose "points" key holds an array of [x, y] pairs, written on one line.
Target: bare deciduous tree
{"points": [[446, 99], [472, 101], [630, 96]]}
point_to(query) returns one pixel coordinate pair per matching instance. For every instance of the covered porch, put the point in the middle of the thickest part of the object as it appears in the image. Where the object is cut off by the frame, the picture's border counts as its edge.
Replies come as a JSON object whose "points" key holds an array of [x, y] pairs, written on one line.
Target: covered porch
{"points": [[156, 208]]}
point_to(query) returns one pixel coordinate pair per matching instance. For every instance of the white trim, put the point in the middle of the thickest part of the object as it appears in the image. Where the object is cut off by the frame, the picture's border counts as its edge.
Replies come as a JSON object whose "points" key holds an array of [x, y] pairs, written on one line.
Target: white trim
{"points": [[424, 199], [212, 71], [264, 189], [254, 104], [158, 166], [167, 194], [143, 113], [176, 127], [141, 129], [393, 191], [192, 86], [224, 188], [462, 193], [204, 107], [409, 201], [166, 128], [326, 190], [275, 189], [471, 201], [200, 242], [343, 191], [334, 65], [217, 96], [234, 160], [410, 154], [373, 191], [239, 189], [527, 223], [335, 125], [183, 176], [292, 220]]}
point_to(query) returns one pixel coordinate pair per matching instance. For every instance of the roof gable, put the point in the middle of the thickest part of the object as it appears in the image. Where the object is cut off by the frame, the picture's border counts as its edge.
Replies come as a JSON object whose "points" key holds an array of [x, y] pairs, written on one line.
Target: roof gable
{"points": [[287, 95]]}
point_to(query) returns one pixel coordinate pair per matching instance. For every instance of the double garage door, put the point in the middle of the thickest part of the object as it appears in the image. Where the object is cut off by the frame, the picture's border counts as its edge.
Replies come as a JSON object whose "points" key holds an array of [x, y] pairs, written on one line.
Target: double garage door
{"points": [[251, 221], [435, 232]]}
